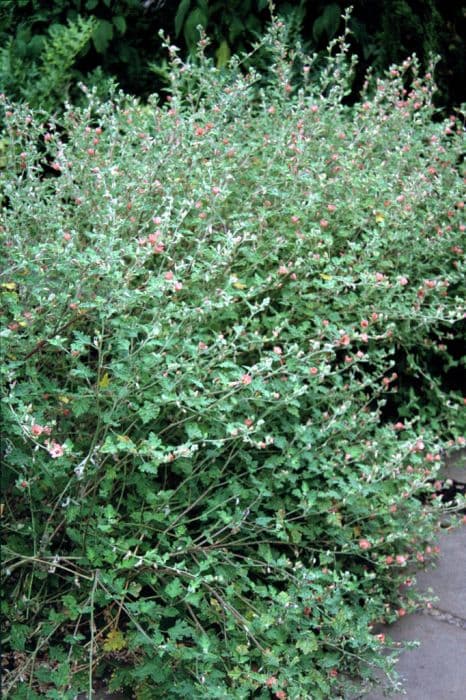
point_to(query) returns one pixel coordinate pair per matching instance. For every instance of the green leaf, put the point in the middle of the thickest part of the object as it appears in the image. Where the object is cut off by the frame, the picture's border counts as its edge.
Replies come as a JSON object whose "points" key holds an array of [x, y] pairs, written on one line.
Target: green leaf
{"points": [[308, 644], [148, 411], [180, 15], [102, 35], [19, 635], [191, 32], [120, 23], [235, 28], [326, 25], [179, 630], [193, 431], [151, 467], [174, 588]]}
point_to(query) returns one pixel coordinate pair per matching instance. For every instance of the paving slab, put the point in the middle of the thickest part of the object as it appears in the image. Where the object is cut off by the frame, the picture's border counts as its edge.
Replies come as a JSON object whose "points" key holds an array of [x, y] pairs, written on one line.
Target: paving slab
{"points": [[455, 466], [448, 578], [436, 670]]}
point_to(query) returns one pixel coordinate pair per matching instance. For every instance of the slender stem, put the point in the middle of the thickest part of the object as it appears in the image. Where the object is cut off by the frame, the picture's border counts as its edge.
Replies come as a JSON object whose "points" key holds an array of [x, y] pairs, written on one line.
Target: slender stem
{"points": [[92, 626]]}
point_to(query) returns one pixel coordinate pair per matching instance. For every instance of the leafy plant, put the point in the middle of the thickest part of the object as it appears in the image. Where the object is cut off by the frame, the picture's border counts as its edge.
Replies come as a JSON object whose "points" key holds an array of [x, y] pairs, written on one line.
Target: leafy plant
{"points": [[44, 81], [214, 312]]}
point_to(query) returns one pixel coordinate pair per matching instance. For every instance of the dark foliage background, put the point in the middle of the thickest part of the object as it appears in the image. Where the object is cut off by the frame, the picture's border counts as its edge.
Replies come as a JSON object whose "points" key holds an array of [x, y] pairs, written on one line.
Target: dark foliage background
{"points": [[124, 42]]}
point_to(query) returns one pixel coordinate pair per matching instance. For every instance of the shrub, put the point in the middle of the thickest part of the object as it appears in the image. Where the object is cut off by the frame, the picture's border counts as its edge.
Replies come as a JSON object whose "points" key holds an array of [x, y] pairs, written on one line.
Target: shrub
{"points": [[213, 465]]}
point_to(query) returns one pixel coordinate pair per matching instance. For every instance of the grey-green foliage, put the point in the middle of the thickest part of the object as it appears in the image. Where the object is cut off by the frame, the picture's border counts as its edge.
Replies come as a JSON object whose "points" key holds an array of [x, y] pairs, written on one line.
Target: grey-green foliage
{"points": [[43, 82]]}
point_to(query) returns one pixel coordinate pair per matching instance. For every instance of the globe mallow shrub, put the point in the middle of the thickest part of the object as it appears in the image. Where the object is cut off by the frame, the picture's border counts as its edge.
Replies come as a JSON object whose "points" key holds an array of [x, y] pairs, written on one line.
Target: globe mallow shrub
{"points": [[216, 478]]}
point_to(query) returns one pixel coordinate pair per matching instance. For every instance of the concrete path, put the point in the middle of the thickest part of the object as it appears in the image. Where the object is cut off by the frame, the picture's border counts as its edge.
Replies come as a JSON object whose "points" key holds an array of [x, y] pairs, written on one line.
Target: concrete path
{"points": [[436, 670]]}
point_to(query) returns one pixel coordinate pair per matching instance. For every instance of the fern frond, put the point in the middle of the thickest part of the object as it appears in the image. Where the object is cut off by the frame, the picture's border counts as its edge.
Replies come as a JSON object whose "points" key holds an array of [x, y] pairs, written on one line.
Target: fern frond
{"points": [[58, 57]]}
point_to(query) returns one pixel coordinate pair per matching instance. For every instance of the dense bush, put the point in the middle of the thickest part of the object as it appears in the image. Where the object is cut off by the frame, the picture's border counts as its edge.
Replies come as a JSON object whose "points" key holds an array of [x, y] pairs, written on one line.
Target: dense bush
{"points": [[208, 487]]}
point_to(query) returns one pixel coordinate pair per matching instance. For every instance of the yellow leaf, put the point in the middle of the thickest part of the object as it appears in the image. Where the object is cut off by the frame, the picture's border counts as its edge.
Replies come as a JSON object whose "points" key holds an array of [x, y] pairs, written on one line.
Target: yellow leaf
{"points": [[325, 277], [223, 54], [357, 531], [115, 641], [10, 286], [239, 285], [105, 381], [379, 218], [124, 438], [63, 399]]}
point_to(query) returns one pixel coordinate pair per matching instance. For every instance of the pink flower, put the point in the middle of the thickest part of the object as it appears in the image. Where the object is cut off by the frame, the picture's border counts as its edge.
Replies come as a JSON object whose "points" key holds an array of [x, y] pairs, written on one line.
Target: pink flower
{"points": [[389, 560], [323, 223], [169, 275], [380, 637], [215, 190], [178, 286], [314, 370], [401, 559], [401, 612], [246, 379], [277, 350], [295, 219], [55, 450], [364, 337], [202, 345], [331, 207], [374, 316], [282, 270], [399, 426], [364, 544], [37, 429], [364, 323], [153, 237], [248, 422], [379, 277], [345, 339]]}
